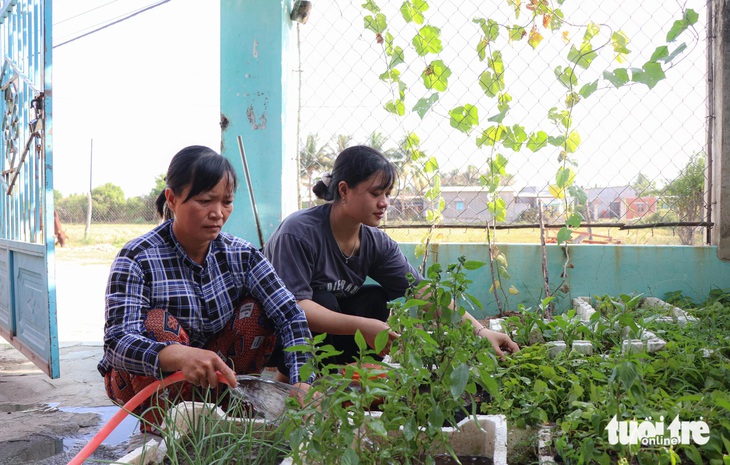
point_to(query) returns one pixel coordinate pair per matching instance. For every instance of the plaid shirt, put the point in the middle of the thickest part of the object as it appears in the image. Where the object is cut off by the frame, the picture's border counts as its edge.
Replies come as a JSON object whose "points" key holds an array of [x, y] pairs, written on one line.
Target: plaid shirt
{"points": [[153, 271]]}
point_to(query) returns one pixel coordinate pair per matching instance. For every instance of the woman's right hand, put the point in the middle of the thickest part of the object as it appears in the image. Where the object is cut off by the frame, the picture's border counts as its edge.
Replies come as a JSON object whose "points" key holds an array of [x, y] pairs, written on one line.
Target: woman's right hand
{"points": [[198, 366], [371, 327]]}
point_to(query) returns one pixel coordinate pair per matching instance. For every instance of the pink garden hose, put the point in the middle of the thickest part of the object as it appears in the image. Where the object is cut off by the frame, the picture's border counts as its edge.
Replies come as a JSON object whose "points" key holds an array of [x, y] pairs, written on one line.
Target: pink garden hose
{"points": [[133, 403]]}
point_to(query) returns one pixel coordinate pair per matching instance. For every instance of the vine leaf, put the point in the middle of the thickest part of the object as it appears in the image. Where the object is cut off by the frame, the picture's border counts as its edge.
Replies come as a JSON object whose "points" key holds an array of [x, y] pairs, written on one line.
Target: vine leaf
{"points": [[491, 136], [371, 6], [398, 57], [436, 76], [572, 99], [662, 53], [490, 28], [413, 11], [583, 57], [498, 209], [464, 118], [498, 165], [620, 42], [578, 194], [489, 84], [588, 89], [425, 104], [516, 32], [556, 21], [565, 177], [556, 141], [516, 5], [514, 137], [377, 23], [574, 220], [431, 166], [650, 74], [572, 142], [428, 40], [482, 49], [535, 38], [561, 117], [690, 17], [537, 141], [564, 235], [566, 76], [499, 117], [556, 191], [618, 77], [397, 107], [392, 75]]}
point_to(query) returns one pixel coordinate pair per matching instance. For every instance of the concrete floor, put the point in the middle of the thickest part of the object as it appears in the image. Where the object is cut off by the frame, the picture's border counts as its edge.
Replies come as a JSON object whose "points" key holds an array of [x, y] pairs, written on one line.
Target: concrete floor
{"points": [[47, 421]]}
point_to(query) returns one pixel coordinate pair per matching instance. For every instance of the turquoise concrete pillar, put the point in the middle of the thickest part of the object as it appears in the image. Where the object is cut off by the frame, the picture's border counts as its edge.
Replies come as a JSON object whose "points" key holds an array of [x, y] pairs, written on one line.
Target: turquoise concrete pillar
{"points": [[256, 71]]}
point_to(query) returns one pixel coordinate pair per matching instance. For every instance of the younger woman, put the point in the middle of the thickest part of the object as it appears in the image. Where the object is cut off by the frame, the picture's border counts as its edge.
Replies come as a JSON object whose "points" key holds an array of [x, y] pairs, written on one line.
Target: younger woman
{"points": [[324, 254]]}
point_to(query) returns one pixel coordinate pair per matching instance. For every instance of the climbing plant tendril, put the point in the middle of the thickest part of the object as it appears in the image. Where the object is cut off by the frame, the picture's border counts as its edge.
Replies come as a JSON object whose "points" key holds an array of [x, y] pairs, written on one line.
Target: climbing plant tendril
{"points": [[497, 134]]}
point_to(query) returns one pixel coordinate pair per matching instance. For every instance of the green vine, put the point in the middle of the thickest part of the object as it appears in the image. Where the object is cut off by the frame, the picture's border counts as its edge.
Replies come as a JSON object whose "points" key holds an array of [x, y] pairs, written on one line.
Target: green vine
{"points": [[498, 137]]}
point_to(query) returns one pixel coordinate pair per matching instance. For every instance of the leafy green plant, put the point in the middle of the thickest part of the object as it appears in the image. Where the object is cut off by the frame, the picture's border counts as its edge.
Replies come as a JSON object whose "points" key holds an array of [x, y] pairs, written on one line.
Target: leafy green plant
{"points": [[688, 379], [441, 373]]}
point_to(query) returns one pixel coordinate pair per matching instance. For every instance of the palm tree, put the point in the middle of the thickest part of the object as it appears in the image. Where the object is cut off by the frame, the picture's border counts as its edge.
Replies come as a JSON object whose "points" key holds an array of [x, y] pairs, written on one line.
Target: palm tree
{"points": [[409, 160], [377, 140], [314, 159]]}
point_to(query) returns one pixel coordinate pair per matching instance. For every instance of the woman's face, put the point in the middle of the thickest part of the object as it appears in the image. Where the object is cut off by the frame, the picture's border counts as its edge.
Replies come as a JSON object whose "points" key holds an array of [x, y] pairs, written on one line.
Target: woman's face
{"points": [[366, 202], [199, 220]]}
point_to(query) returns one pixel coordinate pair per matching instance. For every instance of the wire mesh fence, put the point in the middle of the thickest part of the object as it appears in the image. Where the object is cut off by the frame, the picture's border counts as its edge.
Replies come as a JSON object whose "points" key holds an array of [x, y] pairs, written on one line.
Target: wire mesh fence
{"points": [[516, 113]]}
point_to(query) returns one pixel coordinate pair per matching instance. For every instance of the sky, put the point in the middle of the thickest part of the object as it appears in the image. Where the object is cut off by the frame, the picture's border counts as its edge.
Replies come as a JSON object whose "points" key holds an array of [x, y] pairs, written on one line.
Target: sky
{"points": [[140, 90], [148, 86]]}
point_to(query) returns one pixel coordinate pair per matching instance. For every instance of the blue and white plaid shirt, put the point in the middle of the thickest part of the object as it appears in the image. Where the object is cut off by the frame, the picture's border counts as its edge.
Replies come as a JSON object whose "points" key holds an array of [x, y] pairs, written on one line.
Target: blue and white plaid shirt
{"points": [[153, 271]]}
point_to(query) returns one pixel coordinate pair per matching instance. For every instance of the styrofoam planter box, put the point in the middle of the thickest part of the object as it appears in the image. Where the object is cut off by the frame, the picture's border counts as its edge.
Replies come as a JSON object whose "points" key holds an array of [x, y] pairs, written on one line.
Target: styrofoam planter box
{"points": [[485, 436], [182, 416], [479, 436]]}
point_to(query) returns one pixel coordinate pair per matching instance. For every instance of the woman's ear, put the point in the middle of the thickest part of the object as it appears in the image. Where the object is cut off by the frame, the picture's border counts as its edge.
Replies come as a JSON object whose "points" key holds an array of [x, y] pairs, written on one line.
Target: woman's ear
{"points": [[171, 199], [343, 188]]}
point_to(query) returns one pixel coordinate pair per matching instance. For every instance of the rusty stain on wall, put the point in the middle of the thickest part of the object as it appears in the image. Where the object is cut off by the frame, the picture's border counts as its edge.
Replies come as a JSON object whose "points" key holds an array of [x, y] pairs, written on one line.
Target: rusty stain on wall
{"points": [[255, 48], [252, 118]]}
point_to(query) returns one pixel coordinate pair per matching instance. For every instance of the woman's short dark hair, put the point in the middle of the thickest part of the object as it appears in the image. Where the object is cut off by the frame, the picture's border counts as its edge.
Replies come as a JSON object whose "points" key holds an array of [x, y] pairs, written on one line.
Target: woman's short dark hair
{"points": [[354, 165], [199, 167]]}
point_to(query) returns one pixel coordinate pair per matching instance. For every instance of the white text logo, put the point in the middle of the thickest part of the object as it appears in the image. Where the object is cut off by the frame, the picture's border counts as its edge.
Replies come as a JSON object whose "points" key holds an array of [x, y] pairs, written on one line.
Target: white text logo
{"points": [[648, 433]]}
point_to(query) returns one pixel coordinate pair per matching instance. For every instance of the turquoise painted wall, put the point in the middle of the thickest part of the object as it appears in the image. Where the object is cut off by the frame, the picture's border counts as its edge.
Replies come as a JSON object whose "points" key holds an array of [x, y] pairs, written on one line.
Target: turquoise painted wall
{"points": [[255, 79], [595, 270]]}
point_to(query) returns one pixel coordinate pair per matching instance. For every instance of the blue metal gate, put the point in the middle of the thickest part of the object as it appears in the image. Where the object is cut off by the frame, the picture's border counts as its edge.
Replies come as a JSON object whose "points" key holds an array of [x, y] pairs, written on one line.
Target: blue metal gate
{"points": [[27, 268]]}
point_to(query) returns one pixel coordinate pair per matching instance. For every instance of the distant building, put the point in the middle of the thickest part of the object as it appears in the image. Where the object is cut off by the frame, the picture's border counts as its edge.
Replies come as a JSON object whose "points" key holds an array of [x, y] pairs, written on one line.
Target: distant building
{"points": [[608, 202], [468, 204], [406, 208], [637, 207]]}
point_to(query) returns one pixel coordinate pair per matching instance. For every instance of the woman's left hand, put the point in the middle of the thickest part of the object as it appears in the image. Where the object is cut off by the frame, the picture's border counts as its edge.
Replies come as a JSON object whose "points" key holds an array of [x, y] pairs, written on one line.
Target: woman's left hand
{"points": [[500, 341]]}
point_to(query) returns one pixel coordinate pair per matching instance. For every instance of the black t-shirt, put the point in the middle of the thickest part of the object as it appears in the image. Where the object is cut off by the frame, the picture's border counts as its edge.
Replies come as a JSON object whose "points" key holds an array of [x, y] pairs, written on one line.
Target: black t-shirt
{"points": [[306, 257]]}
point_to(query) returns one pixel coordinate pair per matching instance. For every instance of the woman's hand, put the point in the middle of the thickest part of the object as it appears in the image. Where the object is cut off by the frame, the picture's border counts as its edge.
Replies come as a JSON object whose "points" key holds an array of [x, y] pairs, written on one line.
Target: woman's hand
{"points": [[199, 366], [371, 327], [500, 341]]}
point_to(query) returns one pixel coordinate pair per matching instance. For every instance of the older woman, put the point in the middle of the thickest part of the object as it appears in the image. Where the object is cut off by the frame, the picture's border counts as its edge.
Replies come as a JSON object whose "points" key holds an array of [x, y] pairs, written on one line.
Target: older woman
{"points": [[188, 297]]}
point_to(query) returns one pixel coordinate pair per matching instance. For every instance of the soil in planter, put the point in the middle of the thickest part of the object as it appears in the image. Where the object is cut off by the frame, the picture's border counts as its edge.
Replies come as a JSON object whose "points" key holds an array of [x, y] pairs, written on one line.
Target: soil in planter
{"points": [[480, 397], [464, 459]]}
